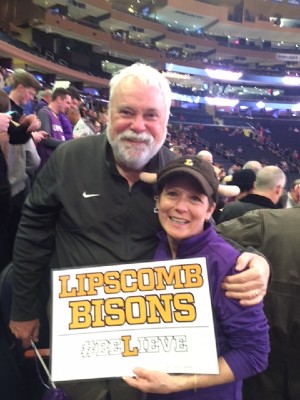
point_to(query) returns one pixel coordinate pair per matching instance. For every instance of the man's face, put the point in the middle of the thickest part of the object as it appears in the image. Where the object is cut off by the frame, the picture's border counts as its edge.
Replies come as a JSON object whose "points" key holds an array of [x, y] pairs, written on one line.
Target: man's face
{"points": [[137, 123], [25, 94], [295, 193], [73, 115], [1, 81], [48, 98], [64, 104], [75, 102]]}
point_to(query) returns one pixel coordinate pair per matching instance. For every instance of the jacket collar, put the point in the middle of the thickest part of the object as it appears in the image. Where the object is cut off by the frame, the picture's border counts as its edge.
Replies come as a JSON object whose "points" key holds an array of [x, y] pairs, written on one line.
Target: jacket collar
{"points": [[259, 200]]}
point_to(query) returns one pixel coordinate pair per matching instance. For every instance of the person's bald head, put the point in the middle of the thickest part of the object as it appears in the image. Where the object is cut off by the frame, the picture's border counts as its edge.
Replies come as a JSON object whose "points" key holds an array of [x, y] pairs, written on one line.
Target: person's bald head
{"points": [[206, 156], [254, 165]]}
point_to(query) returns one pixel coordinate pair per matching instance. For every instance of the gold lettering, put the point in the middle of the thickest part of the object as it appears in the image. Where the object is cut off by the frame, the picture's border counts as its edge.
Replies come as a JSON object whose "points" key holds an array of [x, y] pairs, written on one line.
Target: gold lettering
{"points": [[114, 308], [81, 314], [169, 278], [159, 308], [80, 279], [127, 286], [128, 352], [193, 275], [146, 279], [95, 280], [98, 314], [185, 307], [135, 310], [64, 292], [112, 282]]}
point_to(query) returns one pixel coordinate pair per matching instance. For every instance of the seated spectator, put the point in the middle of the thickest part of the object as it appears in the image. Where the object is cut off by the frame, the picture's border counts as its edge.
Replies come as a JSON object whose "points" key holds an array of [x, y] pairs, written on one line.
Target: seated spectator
{"points": [[49, 116], [267, 190], [103, 118], [178, 150], [80, 128], [244, 179], [44, 97], [64, 120], [206, 155], [294, 194], [282, 202]]}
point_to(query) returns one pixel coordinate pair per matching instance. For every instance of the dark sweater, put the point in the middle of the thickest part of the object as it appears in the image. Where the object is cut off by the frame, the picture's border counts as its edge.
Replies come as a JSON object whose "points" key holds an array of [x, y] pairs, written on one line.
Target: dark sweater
{"points": [[240, 207]]}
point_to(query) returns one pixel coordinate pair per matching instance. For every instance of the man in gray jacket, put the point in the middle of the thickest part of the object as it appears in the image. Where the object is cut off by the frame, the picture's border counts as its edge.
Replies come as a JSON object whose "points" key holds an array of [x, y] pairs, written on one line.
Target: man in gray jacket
{"points": [[275, 233]]}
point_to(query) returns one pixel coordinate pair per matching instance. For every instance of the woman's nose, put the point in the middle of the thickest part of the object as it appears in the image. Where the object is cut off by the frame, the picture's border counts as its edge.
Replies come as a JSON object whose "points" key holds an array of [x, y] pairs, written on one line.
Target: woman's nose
{"points": [[181, 204]]}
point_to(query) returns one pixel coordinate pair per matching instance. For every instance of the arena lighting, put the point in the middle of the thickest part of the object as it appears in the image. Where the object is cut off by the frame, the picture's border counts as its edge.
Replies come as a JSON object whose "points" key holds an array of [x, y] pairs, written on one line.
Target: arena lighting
{"points": [[260, 105], [187, 98], [220, 101], [175, 75], [296, 108], [291, 80], [224, 75]]}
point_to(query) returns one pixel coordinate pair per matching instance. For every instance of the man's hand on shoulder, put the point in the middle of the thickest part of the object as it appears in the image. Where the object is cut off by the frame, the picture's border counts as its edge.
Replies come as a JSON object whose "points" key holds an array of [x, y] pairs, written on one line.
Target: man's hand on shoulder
{"points": [[250, 285]]}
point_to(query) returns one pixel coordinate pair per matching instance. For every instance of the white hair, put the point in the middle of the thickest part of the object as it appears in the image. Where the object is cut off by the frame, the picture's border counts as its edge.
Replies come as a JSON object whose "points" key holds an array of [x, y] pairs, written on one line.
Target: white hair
{"points": [[254, 165], [205, 155], [147, 75], [269, 177]]}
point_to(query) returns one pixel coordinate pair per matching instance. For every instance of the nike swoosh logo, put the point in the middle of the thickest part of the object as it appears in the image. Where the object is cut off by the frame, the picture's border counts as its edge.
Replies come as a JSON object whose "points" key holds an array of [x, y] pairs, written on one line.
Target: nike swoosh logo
{"points": [[86, 195]]}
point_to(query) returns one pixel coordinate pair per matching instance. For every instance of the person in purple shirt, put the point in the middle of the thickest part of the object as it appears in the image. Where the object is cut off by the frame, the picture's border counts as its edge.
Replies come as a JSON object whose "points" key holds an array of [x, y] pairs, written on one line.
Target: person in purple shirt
{"points": [[64, 120], [187, 194], [49, 117]]}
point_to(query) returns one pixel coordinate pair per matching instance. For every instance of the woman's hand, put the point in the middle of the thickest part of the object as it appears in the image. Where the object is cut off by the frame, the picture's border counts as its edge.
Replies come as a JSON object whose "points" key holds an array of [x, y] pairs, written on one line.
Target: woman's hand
{"points": [[154, 381]]}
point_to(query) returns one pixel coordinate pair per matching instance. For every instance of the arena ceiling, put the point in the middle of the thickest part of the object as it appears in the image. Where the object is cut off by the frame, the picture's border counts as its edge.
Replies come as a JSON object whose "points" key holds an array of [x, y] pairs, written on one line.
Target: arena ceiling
{"points": [[174, 18]]}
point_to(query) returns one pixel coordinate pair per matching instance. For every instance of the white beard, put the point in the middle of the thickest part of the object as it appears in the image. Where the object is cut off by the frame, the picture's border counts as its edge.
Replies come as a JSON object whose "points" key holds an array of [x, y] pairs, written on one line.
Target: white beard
{"points": [[130, 155]]}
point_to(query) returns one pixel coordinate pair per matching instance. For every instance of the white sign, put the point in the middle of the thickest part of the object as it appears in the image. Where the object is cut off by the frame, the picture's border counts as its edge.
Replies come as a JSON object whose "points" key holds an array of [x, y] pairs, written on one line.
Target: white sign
{"points": [[288, 57], [109, 320]]}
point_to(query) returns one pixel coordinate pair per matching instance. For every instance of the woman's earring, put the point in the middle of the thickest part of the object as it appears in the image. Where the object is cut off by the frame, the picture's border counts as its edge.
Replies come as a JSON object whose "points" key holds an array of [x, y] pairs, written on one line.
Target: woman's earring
{"points": [[156, 208]]}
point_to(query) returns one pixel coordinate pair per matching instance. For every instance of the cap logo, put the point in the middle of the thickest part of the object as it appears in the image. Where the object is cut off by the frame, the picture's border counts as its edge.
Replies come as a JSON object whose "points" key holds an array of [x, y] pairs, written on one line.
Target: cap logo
{"points": [[189, 162]]}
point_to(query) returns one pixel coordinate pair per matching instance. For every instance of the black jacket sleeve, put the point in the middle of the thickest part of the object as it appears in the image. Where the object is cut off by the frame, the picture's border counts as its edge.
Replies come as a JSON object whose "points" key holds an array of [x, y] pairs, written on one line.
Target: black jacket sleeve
{"points": [[18, 134], [34, 244]]}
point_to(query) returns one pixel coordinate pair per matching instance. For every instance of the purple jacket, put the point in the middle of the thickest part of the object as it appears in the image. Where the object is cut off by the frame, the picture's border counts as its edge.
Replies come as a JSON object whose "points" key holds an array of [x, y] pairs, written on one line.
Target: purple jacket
{"points": [[241, 332]]}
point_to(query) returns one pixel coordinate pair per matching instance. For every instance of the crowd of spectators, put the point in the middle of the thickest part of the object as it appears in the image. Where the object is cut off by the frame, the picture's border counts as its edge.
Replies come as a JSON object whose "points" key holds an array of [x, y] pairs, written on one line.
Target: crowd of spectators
{"points": [[233, 145]]}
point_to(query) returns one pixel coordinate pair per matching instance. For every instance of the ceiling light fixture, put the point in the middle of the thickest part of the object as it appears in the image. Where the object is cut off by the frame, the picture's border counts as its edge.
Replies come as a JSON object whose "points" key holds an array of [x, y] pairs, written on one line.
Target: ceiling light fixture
{"points": [[291, 80], [260, 105], [223, 75], [221, 101]]}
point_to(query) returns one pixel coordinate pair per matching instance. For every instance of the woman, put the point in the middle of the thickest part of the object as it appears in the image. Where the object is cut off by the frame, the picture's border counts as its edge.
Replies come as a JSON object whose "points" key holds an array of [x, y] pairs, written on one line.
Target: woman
{"points": [[187, 194]]}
